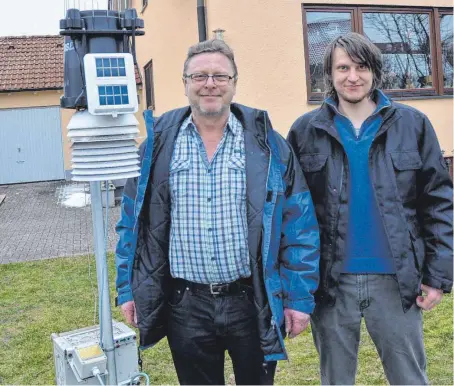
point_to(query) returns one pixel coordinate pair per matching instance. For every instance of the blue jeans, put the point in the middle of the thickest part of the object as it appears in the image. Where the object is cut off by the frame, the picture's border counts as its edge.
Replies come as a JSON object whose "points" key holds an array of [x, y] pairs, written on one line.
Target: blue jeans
{"points": [[203, 326], [398, 336]]}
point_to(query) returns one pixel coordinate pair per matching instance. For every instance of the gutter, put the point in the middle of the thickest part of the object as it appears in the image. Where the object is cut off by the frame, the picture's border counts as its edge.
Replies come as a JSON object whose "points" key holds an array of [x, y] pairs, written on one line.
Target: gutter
{"points": [[201, 20], [5, 91]]}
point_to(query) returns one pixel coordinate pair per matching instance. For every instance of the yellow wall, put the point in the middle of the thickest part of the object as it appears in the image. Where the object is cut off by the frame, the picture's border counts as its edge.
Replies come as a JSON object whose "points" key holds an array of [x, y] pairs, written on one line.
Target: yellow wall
{"points": [[267, 37], [170, 28]]}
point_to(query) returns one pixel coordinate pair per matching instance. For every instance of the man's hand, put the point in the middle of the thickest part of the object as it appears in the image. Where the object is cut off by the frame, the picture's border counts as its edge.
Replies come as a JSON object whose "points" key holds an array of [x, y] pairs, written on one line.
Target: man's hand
{"points": [[295, 322], [128, 310], [432, 298]]}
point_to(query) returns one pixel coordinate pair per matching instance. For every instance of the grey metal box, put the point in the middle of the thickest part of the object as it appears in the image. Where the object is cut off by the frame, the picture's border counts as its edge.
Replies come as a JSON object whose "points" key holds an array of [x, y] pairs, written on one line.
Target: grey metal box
{"points": [[67, 372]]}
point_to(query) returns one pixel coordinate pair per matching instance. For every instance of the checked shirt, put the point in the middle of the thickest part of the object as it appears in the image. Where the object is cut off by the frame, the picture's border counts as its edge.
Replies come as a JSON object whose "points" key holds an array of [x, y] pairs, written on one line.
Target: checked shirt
{"points": [[208, 233]]}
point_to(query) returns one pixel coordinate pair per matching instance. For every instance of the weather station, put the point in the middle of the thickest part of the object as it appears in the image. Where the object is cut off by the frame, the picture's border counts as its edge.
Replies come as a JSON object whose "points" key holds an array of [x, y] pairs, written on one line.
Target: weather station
{"points": [[100, 85]]}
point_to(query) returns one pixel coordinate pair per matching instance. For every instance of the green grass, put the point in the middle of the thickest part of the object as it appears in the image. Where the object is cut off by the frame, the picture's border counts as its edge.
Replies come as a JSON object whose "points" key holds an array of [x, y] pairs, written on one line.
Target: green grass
{"points": [[39, 298]]}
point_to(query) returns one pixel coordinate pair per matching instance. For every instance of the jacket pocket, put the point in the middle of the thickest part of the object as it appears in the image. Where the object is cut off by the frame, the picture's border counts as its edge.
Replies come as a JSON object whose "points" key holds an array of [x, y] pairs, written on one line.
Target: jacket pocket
{"points": [[406, 166], [315, 172], [410, 160]]}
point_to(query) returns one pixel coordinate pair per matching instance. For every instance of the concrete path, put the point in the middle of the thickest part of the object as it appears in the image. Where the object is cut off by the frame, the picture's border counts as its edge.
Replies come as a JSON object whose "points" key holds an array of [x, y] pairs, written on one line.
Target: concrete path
{"points": [[48, 219]]}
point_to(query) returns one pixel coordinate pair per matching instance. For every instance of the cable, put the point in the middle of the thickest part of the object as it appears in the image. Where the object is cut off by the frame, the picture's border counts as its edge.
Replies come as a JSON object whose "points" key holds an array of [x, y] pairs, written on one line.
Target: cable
{"points": [[90, 278], [106, 232], [81, 68], [138, 375], [95, 371]]}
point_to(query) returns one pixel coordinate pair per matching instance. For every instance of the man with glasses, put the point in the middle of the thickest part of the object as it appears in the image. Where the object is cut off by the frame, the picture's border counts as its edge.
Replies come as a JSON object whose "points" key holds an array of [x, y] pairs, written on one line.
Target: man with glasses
{"points": [[219, 243]]}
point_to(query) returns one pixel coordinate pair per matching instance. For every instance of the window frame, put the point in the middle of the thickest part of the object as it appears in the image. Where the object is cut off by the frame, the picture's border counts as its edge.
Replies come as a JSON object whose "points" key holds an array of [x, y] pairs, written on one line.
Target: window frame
{"points": [[316, 96], [357, 12], [150, 102], [438, 12]]}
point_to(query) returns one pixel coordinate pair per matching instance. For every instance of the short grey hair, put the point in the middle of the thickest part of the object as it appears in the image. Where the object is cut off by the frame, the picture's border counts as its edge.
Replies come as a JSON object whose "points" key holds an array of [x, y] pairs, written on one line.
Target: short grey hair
{"points": [[211, 47], [361, 50]]}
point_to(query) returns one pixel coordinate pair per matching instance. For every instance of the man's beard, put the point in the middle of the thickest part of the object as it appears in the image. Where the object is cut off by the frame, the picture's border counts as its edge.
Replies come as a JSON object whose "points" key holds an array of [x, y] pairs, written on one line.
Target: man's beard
{"points": [[211, 113], [354, 101]]}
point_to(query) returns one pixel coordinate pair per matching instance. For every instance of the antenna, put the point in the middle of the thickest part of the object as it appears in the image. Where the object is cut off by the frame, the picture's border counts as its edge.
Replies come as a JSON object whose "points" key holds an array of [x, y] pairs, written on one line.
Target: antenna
{"points": [[100, 86]]}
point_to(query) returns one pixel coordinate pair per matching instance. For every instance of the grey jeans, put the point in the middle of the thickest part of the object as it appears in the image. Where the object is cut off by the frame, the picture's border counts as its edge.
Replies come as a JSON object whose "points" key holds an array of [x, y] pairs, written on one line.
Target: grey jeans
{"points": [[398, 336]]}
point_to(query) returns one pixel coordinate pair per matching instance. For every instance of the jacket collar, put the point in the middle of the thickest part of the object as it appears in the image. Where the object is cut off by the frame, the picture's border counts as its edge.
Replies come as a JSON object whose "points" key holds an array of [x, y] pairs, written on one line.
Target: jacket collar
{"points": [[324, 117], [232, 125], [254, 122], [249, 117], [380, 99]]}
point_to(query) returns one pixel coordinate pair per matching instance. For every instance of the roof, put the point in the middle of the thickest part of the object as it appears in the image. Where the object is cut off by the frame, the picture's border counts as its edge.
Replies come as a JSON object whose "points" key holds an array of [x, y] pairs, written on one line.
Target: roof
{"points": [[33, 63]]}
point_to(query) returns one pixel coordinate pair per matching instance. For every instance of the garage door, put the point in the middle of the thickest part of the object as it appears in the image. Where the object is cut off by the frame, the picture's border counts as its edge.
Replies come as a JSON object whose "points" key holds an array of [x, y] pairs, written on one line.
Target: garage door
{"points": [[31, 147]]}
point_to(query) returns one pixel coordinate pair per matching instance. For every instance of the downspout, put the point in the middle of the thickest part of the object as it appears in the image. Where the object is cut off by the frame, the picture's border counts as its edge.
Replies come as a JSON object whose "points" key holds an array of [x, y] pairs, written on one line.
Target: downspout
{"points": [[201, 20]]}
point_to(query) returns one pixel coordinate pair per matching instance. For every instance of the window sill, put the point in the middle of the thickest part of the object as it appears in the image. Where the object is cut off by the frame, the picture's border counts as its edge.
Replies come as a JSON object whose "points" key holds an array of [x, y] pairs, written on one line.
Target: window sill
{"points": [[409, 98]]}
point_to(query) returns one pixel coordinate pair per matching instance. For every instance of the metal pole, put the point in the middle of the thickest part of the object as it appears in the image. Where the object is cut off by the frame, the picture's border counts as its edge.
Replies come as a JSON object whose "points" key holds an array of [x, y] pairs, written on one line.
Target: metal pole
{"points": [[105, 316]]}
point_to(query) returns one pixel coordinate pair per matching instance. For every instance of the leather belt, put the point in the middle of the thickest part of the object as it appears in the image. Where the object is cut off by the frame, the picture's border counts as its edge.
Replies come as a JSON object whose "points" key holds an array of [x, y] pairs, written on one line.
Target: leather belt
{"points": [[214, 289]]}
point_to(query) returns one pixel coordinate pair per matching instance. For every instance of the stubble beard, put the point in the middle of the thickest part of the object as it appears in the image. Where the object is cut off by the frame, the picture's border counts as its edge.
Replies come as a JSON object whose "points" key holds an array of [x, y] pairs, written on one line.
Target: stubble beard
{"points": [[353, 101], [209, 113]]}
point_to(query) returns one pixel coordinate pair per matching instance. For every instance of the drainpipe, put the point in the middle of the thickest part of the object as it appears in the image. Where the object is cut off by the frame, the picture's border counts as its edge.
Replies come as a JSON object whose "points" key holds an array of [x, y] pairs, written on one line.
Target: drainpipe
{"points": [[201, 20]]}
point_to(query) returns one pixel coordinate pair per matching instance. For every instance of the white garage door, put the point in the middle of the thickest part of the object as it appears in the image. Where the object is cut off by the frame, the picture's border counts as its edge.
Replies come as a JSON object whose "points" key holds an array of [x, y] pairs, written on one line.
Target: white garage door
{"points": [[31, 147]]}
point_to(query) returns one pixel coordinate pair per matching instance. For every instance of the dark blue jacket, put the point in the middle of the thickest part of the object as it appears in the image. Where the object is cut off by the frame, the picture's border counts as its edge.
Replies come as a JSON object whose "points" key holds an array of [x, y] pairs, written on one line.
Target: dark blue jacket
{"points": [[283, 233], [411, 185]]}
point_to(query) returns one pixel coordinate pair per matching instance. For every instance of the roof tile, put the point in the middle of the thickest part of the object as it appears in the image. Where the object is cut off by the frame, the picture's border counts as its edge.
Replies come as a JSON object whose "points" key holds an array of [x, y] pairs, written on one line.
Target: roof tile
{"points": [[33, 63]]}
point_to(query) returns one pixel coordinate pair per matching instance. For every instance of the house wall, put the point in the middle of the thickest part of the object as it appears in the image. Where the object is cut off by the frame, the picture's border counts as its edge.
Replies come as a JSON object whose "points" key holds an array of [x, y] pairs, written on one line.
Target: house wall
{"points": [[267, 37], [170, 29], [51, 98]]}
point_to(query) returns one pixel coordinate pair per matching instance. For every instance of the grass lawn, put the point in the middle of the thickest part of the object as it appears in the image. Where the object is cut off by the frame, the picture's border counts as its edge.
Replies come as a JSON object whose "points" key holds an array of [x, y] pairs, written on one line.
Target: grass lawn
{"points": [[58, 295]]}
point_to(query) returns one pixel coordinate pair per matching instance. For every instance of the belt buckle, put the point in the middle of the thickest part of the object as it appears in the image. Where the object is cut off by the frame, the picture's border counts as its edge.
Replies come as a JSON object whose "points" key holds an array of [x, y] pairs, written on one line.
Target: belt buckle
{"points": [[212, 291]]}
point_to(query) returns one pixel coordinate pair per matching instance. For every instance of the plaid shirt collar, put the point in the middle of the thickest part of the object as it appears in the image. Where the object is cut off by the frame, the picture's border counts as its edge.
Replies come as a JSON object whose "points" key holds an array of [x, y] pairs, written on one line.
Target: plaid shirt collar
{"points": [[234, 128]]}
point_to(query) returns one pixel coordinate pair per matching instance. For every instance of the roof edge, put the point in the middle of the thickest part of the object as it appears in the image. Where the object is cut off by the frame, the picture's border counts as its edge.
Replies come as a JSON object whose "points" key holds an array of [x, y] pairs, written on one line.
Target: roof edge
{"points": [[30, 37], [4, 91]]}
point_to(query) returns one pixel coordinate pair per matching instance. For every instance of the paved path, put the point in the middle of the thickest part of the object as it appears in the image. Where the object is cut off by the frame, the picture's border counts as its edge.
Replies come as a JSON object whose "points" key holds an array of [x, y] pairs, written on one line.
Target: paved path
{"points": [[35, 224]]}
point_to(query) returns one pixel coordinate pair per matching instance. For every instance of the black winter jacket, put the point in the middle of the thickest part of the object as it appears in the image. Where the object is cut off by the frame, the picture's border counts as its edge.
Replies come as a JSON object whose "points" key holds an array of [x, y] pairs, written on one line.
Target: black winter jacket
{"points": [[283, 235], [412, 187]]}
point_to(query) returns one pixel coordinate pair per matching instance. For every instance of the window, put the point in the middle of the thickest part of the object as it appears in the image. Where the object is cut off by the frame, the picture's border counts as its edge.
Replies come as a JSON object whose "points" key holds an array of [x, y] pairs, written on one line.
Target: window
{"points": [[446, 39], [324, 27], [417, 46], [149, 85]]}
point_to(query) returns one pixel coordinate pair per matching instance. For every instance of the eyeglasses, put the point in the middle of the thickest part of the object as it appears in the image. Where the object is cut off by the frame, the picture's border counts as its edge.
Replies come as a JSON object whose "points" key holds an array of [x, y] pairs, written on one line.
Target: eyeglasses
{"points": [[219, 79]]}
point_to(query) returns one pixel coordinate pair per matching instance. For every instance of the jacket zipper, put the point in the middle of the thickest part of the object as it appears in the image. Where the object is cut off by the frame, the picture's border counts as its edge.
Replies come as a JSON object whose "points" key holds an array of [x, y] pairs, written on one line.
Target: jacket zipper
{"points": [[273, 318], [375, 192], [334, 227]]}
